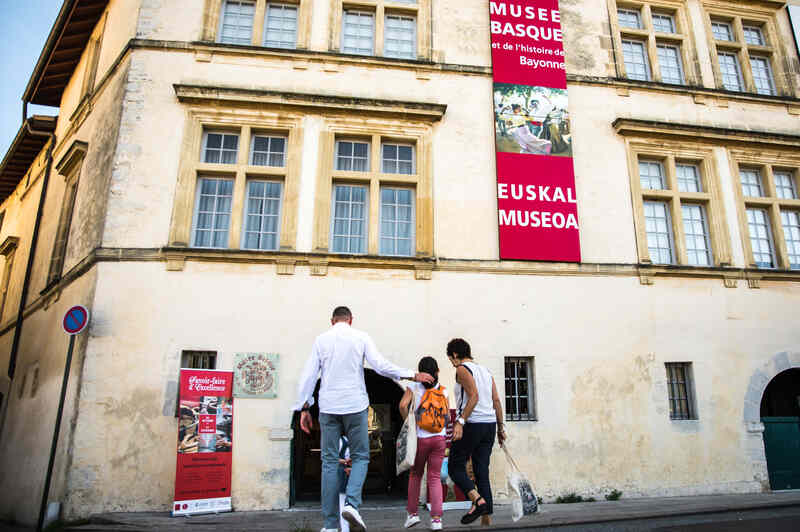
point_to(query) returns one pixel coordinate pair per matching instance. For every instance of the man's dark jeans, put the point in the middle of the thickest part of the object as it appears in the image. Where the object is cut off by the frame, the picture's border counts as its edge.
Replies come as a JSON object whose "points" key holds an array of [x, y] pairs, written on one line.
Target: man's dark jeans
{"points": [[476, 443]]}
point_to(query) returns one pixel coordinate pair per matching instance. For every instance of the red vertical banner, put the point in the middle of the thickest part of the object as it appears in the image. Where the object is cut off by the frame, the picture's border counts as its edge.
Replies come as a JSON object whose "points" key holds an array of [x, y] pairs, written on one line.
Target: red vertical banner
{"points": [[536, 198], [205, 442]]}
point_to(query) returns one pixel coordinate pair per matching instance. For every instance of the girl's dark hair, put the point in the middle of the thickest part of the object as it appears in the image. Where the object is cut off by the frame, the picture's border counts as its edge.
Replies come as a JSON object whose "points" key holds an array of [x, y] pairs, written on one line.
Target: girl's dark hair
{"points": [[428, 365]]}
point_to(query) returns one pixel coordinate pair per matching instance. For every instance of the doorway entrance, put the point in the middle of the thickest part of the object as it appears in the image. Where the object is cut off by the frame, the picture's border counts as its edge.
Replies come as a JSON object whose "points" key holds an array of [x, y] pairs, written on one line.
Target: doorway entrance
{"points": [[382, 483], [780, 414]]}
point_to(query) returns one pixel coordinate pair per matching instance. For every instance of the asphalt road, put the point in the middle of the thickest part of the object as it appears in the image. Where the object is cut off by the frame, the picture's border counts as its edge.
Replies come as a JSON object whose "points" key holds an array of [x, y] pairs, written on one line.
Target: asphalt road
{"points": [[771, 520]]}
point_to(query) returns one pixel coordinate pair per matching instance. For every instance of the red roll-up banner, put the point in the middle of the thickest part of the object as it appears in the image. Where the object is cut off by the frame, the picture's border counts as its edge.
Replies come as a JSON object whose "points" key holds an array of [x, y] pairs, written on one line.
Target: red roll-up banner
{"points": [[205, 442], [536, 198]]}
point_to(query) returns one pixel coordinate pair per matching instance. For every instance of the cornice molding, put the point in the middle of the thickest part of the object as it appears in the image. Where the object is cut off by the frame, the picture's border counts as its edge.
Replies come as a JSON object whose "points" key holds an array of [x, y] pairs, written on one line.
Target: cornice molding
{"points": [[645, 128]]}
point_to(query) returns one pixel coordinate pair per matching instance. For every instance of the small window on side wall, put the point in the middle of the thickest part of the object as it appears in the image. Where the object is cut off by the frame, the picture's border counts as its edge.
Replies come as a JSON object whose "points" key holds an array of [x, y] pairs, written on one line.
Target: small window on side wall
{"points": [[199, 359], [520, 389], [680, 386]]}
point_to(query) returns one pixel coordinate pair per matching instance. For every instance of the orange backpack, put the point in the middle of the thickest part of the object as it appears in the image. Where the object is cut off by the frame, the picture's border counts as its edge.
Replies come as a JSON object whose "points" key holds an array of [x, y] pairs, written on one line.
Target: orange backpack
{"points": [[432, 411]]}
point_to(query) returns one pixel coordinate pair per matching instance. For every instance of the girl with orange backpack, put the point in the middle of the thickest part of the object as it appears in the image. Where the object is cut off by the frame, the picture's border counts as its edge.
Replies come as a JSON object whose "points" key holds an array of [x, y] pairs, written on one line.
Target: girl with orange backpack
{"points": [[428, 403]]}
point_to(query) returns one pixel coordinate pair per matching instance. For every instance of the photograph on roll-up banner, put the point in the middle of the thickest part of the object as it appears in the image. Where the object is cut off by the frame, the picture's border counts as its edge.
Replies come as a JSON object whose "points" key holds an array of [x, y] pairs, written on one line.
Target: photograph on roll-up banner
{"points": [[532, 120]]}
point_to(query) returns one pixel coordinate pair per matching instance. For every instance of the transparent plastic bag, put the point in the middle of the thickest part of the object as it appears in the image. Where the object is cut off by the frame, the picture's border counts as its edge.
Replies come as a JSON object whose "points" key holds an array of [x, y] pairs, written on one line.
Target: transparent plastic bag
{"points": [[520, 492], [407, 443]]}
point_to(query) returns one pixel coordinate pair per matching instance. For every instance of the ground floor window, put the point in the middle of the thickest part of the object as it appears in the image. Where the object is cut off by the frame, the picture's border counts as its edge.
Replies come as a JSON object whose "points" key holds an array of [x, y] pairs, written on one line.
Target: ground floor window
{"points": [[520, 403], [680, 390], [199, 359]]}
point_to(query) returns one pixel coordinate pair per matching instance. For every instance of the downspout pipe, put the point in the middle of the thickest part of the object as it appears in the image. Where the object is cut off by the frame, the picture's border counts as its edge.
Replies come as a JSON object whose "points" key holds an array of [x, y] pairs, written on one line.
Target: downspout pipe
{"points": [[12, 361]]}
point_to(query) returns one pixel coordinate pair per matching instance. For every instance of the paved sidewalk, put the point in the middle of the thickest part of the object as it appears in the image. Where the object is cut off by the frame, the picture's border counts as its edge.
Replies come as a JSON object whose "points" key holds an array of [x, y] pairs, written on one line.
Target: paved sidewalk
{"points": [[390, 518]]}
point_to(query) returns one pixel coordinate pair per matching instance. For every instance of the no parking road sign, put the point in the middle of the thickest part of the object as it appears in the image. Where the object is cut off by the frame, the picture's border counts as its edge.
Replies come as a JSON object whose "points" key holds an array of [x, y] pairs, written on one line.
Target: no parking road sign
{"points": [[75, 319]]}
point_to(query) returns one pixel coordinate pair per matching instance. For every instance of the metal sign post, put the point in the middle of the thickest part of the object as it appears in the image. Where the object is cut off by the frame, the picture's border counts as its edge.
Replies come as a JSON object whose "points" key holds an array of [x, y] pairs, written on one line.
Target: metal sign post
{"points": [[75, 321]]}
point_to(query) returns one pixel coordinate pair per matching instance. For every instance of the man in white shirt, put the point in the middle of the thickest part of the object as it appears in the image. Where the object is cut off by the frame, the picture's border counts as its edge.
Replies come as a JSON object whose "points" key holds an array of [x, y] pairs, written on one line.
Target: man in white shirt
{"points": [[337, 358]]}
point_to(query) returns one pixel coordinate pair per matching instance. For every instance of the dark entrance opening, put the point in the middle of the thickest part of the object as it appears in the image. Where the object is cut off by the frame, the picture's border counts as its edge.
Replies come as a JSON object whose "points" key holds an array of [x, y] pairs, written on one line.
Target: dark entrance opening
{"points": [[780, 413], [382, 483]]}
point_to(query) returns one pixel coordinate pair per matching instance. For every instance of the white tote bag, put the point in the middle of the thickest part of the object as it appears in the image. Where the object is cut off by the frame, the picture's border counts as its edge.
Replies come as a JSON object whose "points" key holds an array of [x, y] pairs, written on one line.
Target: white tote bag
{"points": [[523, 499], [407, 442]]}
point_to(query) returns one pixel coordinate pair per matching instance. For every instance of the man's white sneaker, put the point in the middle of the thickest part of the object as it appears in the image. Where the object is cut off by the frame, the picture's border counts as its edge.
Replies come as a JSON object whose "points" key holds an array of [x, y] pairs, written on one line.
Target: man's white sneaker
{"points": [[411, 520], [436, 524], [352, 516]]}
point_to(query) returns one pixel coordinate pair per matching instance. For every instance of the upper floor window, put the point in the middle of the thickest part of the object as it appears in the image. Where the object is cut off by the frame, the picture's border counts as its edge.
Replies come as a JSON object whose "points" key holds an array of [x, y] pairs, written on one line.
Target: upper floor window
{"points": [[220, 148], [70, 167], [385, 28], [654, 41], [768, 210], [742, 58], [281, 24]]}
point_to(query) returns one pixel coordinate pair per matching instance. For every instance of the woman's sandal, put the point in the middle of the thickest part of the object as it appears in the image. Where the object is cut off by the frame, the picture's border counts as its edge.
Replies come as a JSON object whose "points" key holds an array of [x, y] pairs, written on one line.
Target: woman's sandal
{"points": [[475, 512]]}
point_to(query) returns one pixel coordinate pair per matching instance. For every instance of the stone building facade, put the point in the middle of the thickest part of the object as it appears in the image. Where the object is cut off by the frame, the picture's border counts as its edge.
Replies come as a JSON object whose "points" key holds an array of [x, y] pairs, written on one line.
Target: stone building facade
{"points": [[189, 191]]}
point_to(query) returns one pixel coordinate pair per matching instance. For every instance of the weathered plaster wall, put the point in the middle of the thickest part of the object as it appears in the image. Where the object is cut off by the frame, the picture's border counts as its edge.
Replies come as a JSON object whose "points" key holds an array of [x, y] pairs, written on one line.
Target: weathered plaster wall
{"points": [[600, 384]]}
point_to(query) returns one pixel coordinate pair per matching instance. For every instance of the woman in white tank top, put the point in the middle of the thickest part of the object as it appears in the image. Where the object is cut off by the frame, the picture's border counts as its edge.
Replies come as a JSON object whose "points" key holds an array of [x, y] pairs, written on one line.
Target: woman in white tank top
{"points": [[480, 415]]}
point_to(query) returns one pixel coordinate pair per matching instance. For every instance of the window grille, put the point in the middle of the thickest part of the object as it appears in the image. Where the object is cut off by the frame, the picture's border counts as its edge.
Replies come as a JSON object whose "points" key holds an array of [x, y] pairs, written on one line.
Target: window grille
{"points": [[659, 232], [761, 238], [397, 221], [199, 359], [358, 33], [629, 18], [520, 389], [663, 23], [352, 156], [268, 151], [401, 37], [398, 159], [762, 75], [752, 183], [688, 178], [263, 215], [281, 26], [669, 59], [237, 22], [681, 390], [636, 63], [785, 185], [753, 35], [722, 31], [651, 174], [212, 212], [695, 226], [731, 72], [220, 148], [790, 220], [349, 219]]}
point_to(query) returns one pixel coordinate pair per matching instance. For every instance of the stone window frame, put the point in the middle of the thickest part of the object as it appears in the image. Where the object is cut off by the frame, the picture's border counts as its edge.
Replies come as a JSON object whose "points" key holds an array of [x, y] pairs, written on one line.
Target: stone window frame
{"points": [[669, 153], [421, 10], [766, 163], [8, 250], [212, 19], [246, 124], [686, 369], [377, 131], [70, 167], [682, 38], [738, 17]]}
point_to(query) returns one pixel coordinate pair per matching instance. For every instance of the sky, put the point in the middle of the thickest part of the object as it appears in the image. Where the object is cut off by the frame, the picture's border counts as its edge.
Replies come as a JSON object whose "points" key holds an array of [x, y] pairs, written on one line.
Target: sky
{"points": [[25, 25]]}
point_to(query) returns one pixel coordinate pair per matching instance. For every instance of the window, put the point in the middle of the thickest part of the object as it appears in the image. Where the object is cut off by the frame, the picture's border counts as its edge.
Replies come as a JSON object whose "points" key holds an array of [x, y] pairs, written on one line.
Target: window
{"points": [[669, 59], [680, 388], [352, 156], [761, 238], [520, 396], [358, 33], [397, 221], [400, 37], [220, 148], [751, 183], [237, 22], [742, 58], [698, 247], [762, 75], [663, 23], [268, 151], [768, 207], [753, 35], [8, 250], [688, 178], [349, 228], [70, 167], [21, 391], [280, 26], [35, 380], [212, 212], [199, 359], [731, 73], [653, 40], [678, 209], [636, 63], [722, 31], [629, 18], [262, 221], [790, 220], [651, 175], [659, 232], [398, 159], [785, 185]]}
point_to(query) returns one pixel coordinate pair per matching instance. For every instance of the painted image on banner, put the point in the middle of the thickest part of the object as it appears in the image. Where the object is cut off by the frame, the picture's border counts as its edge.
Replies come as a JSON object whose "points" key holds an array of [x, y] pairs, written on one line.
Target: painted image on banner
{"points": [[532, 120]]}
